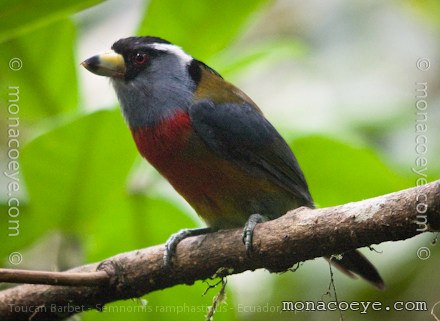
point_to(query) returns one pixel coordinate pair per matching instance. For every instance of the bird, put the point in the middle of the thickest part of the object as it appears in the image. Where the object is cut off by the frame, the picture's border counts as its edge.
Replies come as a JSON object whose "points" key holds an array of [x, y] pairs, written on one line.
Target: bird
{"points": [[210, 141]]}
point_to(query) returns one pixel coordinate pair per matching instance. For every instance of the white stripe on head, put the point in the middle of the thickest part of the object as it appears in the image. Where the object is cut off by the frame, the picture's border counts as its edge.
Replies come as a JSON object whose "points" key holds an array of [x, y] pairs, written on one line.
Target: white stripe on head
{"points": [[176, 50]]}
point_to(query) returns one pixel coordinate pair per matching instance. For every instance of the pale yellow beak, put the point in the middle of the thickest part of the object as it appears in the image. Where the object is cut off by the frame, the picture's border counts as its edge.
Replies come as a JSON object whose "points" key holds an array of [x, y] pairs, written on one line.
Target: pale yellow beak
{"points": [[109, 64]]}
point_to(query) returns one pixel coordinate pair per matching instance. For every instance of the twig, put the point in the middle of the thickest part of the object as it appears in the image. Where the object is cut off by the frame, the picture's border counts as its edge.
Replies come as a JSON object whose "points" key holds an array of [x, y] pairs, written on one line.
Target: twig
{"points": [[54, 278]]}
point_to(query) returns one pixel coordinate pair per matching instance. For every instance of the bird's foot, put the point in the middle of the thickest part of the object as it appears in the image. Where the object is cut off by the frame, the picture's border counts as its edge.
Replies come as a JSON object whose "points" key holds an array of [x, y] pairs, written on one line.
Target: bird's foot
{"points": [[176, 238], [248, 231]]}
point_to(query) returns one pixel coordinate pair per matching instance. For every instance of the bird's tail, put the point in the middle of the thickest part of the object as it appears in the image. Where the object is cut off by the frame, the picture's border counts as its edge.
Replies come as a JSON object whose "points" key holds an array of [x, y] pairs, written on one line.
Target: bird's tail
{"points": [[353, 262]]}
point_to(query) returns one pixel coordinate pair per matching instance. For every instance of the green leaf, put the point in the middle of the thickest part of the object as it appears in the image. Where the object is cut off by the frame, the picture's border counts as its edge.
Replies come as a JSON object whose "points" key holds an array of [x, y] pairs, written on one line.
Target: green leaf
{"points": [[46, 82], [21, 16], [236, 60], [137, 221], [339, 173], [201, 27], [73, 171]]}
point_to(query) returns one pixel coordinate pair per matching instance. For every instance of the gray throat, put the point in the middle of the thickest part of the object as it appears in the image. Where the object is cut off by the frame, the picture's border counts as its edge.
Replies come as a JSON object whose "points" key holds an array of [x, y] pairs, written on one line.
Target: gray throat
{"points": [[145, 106]]}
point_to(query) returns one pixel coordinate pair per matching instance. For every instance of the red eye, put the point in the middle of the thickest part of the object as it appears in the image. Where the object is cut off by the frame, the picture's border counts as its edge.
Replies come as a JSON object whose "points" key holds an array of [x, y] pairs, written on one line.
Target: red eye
{"points": [[140, 58]]}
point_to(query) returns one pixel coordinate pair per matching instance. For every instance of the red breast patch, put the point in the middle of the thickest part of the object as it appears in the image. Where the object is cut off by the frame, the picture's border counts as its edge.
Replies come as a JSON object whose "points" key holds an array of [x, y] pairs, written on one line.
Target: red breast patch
{"points": [[159, 144]]}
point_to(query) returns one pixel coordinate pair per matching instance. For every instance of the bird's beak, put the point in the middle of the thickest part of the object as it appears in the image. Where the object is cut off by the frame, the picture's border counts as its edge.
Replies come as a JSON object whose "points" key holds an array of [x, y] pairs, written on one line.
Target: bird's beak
{"points": [[109, 64]]}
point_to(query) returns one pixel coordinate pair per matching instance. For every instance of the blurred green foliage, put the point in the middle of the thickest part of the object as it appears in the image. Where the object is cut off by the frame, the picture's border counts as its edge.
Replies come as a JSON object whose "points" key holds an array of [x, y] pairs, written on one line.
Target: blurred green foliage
{"points": [[208, 26], [76, 166], [24, 16], [48, 79]]}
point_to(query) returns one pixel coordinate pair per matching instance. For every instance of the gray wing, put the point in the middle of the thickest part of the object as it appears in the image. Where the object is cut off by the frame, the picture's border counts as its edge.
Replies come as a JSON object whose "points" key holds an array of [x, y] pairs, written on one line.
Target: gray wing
{"points": [[240, 133]]}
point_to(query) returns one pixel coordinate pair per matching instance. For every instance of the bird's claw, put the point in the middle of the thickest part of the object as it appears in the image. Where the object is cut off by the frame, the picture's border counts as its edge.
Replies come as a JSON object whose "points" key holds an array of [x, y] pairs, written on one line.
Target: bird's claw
{"points": [[170, 250], [175, 239], [248, 234], [171, 246], [248, 231]]}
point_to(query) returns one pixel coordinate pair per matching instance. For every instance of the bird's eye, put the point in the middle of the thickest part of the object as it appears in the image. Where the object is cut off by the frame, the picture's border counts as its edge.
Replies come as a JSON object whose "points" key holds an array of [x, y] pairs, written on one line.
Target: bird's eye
{"points": [[140, 58]]}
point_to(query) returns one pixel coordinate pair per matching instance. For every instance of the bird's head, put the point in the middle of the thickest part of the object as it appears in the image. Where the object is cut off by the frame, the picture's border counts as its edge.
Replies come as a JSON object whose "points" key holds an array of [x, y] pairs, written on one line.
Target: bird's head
{"points": [[152, 78]]}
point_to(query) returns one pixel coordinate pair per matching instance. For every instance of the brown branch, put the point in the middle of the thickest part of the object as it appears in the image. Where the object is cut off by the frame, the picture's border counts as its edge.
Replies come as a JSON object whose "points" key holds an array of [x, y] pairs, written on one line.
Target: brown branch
{"points": [[299, 235]]}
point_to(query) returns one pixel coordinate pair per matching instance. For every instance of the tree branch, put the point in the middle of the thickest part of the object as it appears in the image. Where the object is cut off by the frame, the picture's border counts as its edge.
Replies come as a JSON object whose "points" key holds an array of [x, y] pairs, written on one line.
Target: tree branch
{"points": [[299, 235]]}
